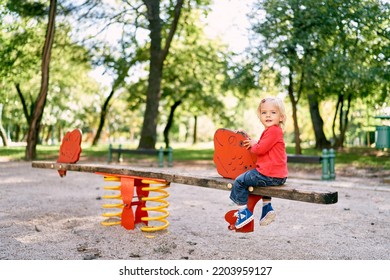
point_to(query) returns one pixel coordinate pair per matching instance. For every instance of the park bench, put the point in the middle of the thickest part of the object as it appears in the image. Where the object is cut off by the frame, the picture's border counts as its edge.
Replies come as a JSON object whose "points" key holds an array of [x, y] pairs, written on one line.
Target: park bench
{"points": [[327, 161], [138, 182], [160, 153]]}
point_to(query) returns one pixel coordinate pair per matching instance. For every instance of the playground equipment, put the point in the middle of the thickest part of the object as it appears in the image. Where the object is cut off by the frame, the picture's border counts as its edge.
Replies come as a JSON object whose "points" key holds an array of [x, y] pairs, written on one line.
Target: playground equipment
{"points": [[70, 151], [136, 183], [125, 193]]}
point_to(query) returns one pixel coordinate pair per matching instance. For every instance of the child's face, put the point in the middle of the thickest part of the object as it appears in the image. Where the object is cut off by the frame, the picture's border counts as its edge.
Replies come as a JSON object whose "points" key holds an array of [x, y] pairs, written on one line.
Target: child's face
{"points": [[270, 114]]}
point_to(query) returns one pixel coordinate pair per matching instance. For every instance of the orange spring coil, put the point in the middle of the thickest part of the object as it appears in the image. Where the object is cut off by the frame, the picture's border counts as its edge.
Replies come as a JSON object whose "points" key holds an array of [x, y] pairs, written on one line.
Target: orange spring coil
{"points": [[114, 218]]}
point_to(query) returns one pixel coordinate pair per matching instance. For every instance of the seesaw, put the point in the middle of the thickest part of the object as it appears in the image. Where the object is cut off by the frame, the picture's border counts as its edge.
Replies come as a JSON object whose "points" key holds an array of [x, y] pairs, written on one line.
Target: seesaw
{"points": [[230, 157]]}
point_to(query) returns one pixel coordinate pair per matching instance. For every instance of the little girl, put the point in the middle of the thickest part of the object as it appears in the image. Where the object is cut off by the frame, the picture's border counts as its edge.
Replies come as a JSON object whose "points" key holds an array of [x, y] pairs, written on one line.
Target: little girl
{"points": [[271, 164]]}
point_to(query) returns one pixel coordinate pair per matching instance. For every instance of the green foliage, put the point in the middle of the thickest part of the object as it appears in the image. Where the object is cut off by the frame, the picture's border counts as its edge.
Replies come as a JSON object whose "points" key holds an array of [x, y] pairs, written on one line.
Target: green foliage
{"points": [[71, 90], [336, 50], [195, 71], [27, 8]]}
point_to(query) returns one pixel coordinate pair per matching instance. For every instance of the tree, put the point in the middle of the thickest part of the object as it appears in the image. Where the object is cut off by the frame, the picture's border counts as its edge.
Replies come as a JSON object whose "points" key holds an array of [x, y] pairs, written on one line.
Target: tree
{"points": [[194, 75], [348, 64], [325, 49], [280, 40], [160, 19], [317, 121], [360, 60], [158, 55], [3, 136], [121, 66], [35, 122], [12, 36], [69, 91]]}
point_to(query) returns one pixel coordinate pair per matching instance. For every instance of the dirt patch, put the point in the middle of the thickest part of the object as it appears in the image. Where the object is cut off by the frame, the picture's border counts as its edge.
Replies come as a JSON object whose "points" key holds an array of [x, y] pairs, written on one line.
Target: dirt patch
{"points": [[45, 217]]}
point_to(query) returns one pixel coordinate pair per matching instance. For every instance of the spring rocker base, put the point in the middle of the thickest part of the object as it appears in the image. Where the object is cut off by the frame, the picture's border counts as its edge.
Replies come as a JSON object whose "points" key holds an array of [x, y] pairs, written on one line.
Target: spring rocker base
{"points": [[134, 191], [70, 151]]}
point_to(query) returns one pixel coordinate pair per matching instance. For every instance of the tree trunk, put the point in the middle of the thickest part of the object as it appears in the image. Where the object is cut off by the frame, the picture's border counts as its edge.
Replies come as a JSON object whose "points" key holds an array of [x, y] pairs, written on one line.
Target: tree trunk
{"points": [[36, 117], [344, 121], [195, 135], [338, 104], [318, 123], [148, 133], [170, 122], [103, 116], [157, 57], [294, 103], [48, 134], [17, 131], [23, 101], [3, 134], [342, 118]]}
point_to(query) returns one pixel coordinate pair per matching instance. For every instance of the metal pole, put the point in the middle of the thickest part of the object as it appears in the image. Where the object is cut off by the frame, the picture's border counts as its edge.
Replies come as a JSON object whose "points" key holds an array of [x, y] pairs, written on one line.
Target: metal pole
{"points": [[120, 159], [110, 153], [332, 162], [325, 165], [161, 157], [170, 157]]}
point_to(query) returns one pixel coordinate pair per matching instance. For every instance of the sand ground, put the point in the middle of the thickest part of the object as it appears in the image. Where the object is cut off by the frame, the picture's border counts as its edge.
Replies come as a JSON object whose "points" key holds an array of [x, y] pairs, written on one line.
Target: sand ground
{"points": [[45, 217]]}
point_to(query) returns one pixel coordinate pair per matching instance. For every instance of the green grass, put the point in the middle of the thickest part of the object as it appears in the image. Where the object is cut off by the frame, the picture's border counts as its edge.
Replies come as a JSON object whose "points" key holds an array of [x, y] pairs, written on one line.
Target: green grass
{"points": [[360, 157], [364, 158]]}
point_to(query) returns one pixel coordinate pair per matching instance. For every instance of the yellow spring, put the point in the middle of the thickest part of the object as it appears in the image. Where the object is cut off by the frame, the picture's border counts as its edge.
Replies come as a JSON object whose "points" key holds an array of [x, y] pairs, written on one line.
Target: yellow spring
{"points": [[114, 218], [158, 187]]}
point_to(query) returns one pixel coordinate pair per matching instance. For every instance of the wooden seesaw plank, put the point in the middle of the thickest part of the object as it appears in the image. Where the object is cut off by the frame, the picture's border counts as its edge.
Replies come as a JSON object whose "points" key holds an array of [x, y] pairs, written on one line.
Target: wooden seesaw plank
{"points": [[286, 191]]}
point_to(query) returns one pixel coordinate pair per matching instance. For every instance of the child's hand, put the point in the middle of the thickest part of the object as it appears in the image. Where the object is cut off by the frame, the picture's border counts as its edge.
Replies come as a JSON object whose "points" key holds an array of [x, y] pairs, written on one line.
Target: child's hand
{"points": [[248, 143]]}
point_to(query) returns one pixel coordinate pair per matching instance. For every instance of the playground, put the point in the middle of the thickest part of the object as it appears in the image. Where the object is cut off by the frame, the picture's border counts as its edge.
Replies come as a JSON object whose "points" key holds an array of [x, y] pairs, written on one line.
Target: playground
{"points": [[128, 83], [45, 217]]}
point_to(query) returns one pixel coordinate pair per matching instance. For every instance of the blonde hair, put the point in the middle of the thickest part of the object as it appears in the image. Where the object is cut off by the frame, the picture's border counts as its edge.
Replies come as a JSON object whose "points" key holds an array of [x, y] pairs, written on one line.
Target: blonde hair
{"points": [[278, 103]]}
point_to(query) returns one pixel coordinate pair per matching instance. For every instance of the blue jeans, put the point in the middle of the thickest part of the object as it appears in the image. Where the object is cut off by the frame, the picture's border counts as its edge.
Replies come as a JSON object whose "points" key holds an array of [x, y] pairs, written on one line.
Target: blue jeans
{"points": [[239, 193]]}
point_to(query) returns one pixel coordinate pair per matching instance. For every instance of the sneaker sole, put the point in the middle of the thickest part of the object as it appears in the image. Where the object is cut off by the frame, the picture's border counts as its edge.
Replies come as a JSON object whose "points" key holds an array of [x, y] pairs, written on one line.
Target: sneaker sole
{"points": [[247, 221], [269, 218]]}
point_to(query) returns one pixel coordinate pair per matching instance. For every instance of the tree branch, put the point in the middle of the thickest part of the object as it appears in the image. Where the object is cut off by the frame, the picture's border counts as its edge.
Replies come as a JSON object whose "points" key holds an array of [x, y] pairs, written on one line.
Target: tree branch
{"points": [[178, 8]]}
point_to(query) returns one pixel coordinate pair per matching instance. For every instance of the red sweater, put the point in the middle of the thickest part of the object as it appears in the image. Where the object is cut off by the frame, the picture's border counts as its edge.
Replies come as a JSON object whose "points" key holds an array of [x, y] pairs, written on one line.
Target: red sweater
{"points": [[271, 153]]}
